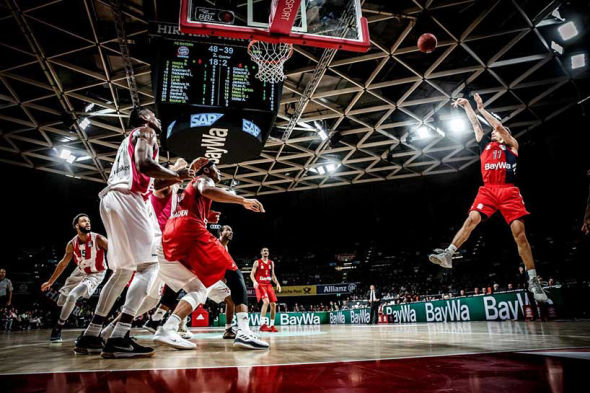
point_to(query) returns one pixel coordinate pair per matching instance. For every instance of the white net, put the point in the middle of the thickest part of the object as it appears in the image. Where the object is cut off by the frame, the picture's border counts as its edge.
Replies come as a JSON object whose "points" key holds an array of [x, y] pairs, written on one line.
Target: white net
{"points": [[270, 59]]}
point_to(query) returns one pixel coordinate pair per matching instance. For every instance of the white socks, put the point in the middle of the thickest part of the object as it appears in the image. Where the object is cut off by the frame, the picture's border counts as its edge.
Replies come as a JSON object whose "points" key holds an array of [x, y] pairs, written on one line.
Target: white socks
{"points": [[243, 321], [93, 330], [120, 329], [452, 248], [272, 322], [158, 315], [532, 273], [172, 323], [227, 326]]}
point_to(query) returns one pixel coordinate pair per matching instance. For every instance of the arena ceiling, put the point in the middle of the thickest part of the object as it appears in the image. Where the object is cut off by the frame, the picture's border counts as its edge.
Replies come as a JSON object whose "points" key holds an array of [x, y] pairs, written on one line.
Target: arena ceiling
{"points": [[345, 118]]}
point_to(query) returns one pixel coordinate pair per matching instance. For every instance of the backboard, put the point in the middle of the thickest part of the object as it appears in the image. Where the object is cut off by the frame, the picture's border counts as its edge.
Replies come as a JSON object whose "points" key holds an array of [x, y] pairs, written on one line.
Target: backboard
{"points": [[334, 24]]}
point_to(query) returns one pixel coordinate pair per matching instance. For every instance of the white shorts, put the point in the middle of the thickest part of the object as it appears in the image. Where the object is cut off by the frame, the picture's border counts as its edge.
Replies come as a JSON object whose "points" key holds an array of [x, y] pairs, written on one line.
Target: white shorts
{"points": [[172, 273], [129, 229], [218, 292], [91, 281]]}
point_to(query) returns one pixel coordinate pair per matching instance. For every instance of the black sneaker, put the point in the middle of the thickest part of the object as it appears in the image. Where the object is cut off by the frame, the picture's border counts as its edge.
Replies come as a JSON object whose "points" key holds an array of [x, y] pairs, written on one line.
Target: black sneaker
{"points": [[151, 325], [125, 347], [55, 335], [230, 333], [88, 345]]}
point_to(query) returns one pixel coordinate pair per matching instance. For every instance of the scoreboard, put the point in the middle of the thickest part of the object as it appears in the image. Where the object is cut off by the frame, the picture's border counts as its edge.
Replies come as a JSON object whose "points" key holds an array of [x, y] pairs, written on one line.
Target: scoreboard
{"points": [[209, 100], [212, 75]]}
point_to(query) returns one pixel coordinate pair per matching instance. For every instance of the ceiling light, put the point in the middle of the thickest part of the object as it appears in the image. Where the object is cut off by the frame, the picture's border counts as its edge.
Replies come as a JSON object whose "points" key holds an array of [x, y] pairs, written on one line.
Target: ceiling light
{"points": [[83, 158], [331, 167], [457, 125], [64, 154], [578, 61], [422, 132], [89, 107], [557, 48], [567, 31], [84, 123], [71, 159], [321, 170]]}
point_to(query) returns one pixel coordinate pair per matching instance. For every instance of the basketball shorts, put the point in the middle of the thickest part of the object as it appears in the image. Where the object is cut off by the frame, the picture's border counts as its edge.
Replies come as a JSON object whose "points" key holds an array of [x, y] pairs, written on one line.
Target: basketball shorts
{"points": [[218, 292], [91, 281], [172, 273], [129, 229], [505, 198], [266, 291], [189, 242]]}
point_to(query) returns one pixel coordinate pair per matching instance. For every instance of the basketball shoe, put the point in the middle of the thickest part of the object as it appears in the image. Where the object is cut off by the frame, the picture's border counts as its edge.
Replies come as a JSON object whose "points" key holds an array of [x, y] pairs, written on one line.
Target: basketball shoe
{"points": [[125, 347], [538, 292], [443, 258], [247, 339], [172, 339]]}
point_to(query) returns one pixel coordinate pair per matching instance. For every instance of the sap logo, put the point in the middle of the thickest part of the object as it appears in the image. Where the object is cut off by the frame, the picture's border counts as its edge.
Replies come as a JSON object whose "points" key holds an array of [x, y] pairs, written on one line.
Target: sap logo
{"points": [[204, 119], [502, 310], [213, 142], [250, 128], [452, 311]]}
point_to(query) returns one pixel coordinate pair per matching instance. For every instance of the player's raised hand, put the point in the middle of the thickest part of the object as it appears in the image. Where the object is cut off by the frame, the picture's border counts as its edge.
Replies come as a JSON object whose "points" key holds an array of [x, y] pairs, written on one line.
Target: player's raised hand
{"points": [[45, 286], [213, 217], [462, 102], [478, 101], [185, 173], [180, 163], [254, 205]]}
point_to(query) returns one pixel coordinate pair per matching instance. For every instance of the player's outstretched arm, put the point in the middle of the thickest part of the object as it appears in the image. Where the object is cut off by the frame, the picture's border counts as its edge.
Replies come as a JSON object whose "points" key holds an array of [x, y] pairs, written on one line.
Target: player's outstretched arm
{"points": [[495, 123], [162, 187], [477, 130], [208, 189], [253, 274], [59, 268], [144, 152]]}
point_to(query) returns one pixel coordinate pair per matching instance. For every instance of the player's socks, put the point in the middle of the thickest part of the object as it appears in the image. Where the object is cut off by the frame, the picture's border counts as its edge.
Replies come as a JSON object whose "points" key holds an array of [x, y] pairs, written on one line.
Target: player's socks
{"points": [[158, 315], [452, 249], [121, 329], [183, 330], [243, 322], [272, 322], [172, 323], [93, 329], [532, 273], [107, 332], [227, 326]]}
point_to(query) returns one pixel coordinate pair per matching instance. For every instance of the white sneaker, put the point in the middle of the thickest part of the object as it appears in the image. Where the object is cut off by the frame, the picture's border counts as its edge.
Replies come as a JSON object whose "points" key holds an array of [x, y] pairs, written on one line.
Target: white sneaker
{"points": [[185, 333], [443, 259], [538, 292], [107, 331], [247, 339], [172, 339]]}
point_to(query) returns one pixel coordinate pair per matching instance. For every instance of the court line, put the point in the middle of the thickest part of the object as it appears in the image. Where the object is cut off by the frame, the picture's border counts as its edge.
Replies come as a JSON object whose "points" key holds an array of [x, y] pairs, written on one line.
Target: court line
{"points": [[291, 364]]}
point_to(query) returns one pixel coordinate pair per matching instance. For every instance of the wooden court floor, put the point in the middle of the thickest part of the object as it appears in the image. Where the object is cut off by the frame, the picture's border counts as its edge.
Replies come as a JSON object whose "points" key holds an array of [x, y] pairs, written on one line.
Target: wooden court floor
{"points": [[24, 356]]}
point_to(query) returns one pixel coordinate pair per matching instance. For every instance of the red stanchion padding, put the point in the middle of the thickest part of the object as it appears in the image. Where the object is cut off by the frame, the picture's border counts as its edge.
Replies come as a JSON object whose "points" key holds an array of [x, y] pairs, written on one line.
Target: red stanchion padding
{"points": [[528, 313], [200, 317]]}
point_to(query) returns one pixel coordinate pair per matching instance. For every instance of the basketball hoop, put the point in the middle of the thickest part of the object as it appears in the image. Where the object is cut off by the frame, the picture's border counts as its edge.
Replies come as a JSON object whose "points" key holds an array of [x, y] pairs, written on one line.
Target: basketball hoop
{"points": [[270, 59]]}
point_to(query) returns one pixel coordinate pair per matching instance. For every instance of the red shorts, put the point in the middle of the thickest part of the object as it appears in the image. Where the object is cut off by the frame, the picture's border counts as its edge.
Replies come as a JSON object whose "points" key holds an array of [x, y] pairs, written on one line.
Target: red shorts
{"points": [[505, 198], [190, 243], [266, 291]]}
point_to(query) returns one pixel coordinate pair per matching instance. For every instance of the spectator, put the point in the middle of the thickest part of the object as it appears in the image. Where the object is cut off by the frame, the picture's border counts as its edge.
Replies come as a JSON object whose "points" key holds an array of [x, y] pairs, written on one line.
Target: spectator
{"points": [[510, 286], [522, 278], [5, 289], [462, 292]]}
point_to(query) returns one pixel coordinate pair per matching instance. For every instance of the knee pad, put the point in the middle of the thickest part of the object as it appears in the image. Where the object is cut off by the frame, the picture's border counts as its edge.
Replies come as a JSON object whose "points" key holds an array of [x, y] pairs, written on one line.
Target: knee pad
{"points": [[61, 300], [236, 284], [195, 298]]}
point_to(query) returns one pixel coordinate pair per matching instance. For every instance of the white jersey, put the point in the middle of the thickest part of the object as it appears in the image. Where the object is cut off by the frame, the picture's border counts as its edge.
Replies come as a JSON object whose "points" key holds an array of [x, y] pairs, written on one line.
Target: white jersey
{"points": [[89, 257], [124, 175]]}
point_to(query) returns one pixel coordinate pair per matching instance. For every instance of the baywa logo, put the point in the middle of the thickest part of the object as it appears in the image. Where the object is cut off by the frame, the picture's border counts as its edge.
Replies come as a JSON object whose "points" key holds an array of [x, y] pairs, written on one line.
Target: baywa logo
{"points": [[302, 319], [337, 318], [360, 316], [503, 310], [405, 314], [451, 310], [213, 142]]}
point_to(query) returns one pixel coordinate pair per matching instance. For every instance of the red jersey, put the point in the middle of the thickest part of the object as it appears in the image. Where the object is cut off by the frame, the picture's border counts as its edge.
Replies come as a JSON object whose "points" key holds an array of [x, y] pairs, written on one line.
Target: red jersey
{"points": [[191, 205], [498, 162], [89, 256], [264, 270]]}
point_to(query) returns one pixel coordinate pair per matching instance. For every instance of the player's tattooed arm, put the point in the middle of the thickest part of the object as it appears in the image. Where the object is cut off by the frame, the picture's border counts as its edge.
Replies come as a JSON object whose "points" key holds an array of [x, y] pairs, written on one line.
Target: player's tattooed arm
{"points": [[103, 243], [252, 274], [145, 163], [462, 102], [496, 124], [60, 267], [207, 188]]}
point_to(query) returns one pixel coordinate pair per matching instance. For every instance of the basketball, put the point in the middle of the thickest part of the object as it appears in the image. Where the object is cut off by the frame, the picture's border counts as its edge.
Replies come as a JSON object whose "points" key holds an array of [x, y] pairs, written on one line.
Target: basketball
{"points": [[427, 42]]}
